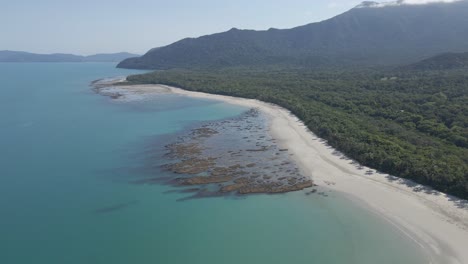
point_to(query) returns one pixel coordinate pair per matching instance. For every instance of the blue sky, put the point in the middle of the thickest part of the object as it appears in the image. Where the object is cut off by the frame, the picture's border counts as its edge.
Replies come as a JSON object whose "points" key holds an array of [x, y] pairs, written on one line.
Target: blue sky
{"points": [[94, 26]]}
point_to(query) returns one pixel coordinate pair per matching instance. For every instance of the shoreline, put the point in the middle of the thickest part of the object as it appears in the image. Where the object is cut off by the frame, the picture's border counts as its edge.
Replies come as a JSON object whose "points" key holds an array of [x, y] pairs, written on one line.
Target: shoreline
{"points": [[437, 222]]}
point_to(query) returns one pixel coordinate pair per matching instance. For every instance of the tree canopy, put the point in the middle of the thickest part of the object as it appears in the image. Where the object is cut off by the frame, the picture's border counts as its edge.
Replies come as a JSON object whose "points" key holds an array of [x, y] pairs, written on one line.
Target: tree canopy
{"points": [[409, 124]]}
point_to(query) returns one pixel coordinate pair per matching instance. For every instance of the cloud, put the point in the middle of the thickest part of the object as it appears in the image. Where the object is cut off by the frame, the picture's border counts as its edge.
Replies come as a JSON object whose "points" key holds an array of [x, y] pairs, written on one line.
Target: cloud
{"points": [[416, 2], [402, 2], [333, 5]]}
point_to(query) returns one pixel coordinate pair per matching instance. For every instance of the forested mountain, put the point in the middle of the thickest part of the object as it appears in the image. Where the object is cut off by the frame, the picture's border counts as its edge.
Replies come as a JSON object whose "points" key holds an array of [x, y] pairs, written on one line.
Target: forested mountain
{"points": [[20, 56], [402, 120], [109, 57], [446, 61], [370, 34]]}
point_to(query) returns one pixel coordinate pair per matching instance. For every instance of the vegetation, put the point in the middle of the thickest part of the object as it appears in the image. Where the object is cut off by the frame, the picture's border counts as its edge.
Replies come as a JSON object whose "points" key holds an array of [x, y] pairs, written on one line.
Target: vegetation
{"points": [[409, 123], [413, 124], [446, 61], [392, 35]]}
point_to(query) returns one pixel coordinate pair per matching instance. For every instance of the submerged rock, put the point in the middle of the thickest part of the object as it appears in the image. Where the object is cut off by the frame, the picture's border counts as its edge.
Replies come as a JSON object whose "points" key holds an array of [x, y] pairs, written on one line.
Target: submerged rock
{"points": [[212, 156], [204, 180]]}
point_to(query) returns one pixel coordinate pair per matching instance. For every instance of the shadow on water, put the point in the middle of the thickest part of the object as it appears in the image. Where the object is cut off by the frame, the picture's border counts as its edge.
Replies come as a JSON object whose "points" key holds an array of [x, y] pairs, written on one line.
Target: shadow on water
{"points": [[115, 207]]}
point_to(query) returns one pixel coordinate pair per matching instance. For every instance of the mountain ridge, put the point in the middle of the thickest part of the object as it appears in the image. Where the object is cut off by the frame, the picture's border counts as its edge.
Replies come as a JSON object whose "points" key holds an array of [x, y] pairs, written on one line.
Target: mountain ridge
{"points": [[22, 56], [445, 61], [388, 35]]}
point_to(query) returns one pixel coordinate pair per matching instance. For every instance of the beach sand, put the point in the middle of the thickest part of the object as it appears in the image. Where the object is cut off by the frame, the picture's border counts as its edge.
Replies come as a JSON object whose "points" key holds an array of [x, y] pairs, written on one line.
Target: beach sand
{"points": [[437, 222]]}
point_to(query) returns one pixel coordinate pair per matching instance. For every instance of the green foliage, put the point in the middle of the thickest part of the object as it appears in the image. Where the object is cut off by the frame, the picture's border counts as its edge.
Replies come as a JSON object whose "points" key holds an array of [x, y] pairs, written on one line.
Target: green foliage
{"points": [[446, 61], [392, 35], [412, 125]]}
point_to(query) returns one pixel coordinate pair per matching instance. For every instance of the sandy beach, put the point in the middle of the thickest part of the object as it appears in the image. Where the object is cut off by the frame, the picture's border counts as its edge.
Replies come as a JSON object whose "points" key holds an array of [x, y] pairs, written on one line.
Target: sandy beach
{"points": [[438, 223]]}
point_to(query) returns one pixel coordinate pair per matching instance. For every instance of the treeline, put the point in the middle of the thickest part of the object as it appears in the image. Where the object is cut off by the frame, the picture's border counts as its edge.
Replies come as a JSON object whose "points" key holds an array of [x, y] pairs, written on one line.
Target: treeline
{"points": [[413, 125]]}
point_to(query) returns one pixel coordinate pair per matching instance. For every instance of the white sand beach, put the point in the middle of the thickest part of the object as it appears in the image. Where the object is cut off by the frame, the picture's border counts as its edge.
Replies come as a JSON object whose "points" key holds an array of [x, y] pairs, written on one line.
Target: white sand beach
{"points": [[435, 221]]}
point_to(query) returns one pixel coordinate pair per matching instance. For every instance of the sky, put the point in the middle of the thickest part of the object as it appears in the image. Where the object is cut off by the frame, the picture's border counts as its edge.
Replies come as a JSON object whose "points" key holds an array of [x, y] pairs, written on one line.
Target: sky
{"points": [[103, 26]]}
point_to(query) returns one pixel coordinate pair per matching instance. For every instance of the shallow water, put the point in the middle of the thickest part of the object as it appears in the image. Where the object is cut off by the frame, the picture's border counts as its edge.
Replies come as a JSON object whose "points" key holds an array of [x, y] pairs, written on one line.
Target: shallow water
{"points": [[68, 160]]}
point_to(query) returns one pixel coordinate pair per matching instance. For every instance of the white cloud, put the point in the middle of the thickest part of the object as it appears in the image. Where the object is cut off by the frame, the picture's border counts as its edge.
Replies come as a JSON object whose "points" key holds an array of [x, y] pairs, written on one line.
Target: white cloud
{"points": [[403, 2], [428, 1], [333, 5]]}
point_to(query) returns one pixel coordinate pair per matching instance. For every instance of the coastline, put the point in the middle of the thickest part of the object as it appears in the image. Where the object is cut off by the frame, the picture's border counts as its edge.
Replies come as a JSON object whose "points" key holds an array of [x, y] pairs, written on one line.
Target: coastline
{"points": [[435, 221]]}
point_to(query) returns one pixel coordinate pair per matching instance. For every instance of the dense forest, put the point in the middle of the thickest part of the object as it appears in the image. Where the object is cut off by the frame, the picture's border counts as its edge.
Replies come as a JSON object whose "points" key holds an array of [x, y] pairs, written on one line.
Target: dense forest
{"points": [[445, 61], [409, 124], [392, 34]]}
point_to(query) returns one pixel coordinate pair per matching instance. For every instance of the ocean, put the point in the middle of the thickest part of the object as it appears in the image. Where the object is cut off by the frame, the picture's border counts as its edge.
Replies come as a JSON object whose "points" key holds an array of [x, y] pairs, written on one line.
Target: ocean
{"points": [[70, 160]]}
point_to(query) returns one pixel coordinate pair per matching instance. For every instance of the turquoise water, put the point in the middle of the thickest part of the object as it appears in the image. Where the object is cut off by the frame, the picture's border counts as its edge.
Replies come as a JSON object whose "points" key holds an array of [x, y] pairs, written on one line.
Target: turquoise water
{"points": [[66, 159]]}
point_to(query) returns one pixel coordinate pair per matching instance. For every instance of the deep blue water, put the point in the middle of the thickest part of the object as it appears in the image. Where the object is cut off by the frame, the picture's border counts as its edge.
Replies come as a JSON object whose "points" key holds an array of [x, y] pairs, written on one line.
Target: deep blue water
{"points": [[67, 160]]}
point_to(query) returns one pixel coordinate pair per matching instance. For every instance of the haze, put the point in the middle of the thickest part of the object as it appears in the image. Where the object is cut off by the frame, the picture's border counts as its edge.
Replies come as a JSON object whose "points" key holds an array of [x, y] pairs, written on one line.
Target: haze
{"points": [[87, 27]]}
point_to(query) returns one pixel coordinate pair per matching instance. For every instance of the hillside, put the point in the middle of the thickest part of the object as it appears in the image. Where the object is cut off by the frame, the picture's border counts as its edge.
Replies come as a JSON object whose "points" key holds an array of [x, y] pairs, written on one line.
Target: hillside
{"points": [[20, 56], [109, 57], [446, 61], [370, 34]]}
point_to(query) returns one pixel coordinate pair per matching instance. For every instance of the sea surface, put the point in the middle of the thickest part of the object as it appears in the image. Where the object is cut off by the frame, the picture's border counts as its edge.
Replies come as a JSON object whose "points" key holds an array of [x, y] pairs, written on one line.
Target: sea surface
{"points": [[68, 161]]}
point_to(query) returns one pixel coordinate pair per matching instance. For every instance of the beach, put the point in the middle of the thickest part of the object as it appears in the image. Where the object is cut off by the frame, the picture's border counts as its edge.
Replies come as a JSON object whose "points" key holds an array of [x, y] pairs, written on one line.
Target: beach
{"points": [[438, 223]]}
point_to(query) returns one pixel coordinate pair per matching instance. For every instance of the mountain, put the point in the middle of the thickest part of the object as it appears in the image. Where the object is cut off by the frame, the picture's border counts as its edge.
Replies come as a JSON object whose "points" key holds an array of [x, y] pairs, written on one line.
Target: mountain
{"points": [[446, 61], [369, 34], [109, 57], [20, 56]]}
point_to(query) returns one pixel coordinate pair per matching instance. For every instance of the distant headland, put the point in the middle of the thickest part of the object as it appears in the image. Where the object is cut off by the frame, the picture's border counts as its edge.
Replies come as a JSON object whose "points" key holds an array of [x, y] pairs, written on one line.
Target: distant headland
{"points": [[21, 56]]}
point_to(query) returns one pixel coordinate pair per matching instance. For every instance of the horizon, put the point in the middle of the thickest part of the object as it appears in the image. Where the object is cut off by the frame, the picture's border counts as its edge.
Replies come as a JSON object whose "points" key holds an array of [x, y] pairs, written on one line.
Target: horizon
{"points": [[139, 27], [191, 21], [88, 28], [75, 54], [263, 132]]}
